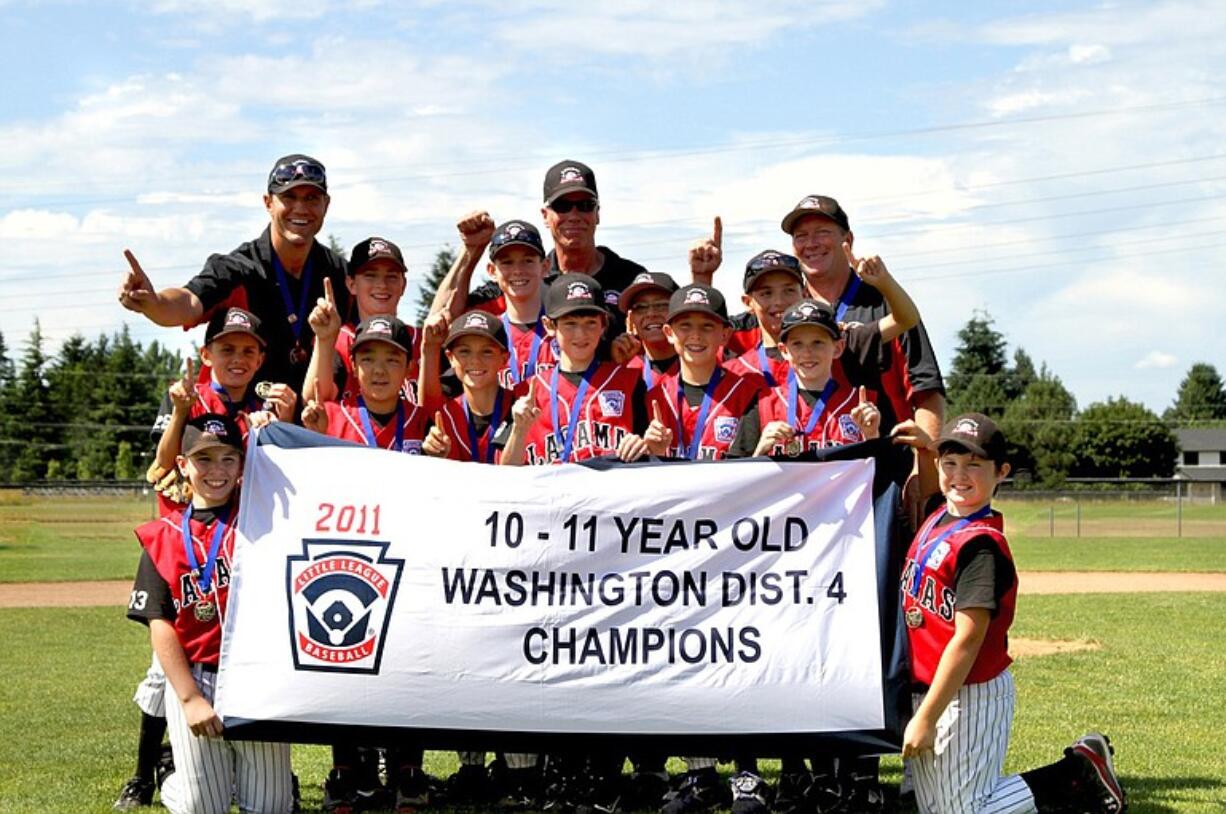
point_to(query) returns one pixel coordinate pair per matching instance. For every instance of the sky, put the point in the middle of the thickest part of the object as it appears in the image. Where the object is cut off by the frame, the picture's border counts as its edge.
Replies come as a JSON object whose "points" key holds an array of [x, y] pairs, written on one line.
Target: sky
{"points": [[1057, 166]]}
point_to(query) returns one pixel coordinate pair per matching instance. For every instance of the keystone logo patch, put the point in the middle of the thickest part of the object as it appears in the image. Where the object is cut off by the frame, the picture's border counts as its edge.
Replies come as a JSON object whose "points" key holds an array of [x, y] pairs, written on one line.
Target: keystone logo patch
{"points": [[341, 594]]}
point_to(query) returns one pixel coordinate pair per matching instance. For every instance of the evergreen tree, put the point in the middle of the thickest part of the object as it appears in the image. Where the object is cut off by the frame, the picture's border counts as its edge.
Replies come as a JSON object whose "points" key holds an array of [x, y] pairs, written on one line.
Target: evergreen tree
{"points": [[1201, 396], [976, 380], [429, 284], [1041, 431], [337, 247], [1021, 375], [29, 419], [1122, 439]]}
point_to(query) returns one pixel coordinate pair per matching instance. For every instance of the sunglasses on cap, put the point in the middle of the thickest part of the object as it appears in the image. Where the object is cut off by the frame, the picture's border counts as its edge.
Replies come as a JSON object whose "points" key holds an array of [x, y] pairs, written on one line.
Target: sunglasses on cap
{"points": [[562, 206], [774, 261], [298, 170]]}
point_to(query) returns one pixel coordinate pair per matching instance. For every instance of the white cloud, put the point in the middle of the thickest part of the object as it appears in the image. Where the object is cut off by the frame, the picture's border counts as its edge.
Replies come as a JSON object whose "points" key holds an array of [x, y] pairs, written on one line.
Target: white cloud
{"points": [[1156, 360], [1088, 54]]}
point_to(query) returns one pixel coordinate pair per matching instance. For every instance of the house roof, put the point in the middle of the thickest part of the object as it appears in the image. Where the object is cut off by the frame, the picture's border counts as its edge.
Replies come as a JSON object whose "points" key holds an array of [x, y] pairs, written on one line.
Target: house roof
{"points": [[1202, 474], [1201, 439]]}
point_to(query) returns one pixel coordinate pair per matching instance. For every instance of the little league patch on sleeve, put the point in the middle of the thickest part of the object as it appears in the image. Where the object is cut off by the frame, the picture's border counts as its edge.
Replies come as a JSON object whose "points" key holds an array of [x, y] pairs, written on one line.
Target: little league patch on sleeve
{"points": [[725, 429], [612, 403], [850, 428]]}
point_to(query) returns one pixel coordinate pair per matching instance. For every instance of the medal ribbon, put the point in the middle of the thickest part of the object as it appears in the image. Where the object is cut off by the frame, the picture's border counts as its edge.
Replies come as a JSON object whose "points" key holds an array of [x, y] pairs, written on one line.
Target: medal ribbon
{"points": [[495, 417], [576, 407], [529, 369], [765, 365], [818, 406], [205, 578], [848, 296], [369, 431], [232, 409], [295, 318], [925, 548], [700, 424]]}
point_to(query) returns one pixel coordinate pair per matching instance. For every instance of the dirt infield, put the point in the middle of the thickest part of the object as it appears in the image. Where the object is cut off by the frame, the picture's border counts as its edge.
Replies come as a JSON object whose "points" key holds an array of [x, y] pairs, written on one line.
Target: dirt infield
{"points": [[115, 592]]}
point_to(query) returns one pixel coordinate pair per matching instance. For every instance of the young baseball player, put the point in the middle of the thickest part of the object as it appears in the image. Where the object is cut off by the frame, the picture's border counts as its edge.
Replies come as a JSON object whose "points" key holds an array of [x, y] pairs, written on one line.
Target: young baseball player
{"points": [[376, 282], [180, 592], [959, 592], [380, 415], [773, 283], [581, 408], [813, 407], [645, 304], [518, 265]]}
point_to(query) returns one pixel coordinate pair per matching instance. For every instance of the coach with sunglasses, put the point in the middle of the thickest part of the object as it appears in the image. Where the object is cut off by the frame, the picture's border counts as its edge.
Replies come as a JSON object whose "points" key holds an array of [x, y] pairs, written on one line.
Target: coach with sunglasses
{"points": [[278, 276]]}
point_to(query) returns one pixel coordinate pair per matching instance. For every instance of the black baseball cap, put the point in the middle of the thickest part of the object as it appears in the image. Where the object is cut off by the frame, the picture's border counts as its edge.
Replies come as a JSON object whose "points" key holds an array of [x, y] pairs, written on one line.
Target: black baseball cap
{"points": [[809, 312], [974, 433], [372, 249], [821, 205], [477, 323], [516, 233], [768, 261], [569, 176], [697, 298], [295, 170], [210, 430], [645, 281], [233, 321], [383, 329], [573, 293]]}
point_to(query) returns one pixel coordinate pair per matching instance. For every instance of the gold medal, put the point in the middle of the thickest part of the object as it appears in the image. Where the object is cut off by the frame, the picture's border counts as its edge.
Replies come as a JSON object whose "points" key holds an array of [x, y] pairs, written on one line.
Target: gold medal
{"points": [[299, 355], [914, 617], [264, 389], [205, 610], [795, 446]]}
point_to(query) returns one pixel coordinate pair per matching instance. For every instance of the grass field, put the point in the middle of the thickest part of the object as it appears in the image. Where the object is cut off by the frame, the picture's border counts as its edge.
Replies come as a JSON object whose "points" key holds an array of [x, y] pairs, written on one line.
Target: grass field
{"points": [[1152, 517]]}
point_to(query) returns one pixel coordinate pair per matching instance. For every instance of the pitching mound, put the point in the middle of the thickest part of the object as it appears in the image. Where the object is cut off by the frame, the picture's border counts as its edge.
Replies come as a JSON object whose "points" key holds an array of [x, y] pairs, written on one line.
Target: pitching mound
{"points": [[1021, 648]]}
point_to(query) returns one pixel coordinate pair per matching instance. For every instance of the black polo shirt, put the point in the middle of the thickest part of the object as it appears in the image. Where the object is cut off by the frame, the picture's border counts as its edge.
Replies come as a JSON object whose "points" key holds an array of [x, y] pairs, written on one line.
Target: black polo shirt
{"points": [[247, 279]]}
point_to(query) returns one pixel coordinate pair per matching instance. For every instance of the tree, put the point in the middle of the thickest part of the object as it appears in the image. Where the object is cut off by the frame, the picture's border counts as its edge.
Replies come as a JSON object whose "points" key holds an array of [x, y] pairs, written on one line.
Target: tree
{"points": [[337, 247], [977, 378], [1040, 429], [1122, 439], [125, 467], [430, 283], [28, 415], [1201, 396], [1021, 375]]}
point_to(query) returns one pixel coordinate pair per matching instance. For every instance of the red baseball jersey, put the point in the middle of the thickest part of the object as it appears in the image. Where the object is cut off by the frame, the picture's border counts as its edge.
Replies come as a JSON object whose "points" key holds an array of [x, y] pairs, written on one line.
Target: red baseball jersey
{"points": [[460, 431], [163, 539], [348, 391], [746, 335], [833, 428], [774, 372], [649, 372], [929, 608], [605, 416], [345, 421], [521, 364], [733, 395]]}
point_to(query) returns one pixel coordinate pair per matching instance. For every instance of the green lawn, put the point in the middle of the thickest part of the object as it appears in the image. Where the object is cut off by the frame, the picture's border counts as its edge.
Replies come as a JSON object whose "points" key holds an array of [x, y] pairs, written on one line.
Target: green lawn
{"points": [[1119, 554], [68, 727]]}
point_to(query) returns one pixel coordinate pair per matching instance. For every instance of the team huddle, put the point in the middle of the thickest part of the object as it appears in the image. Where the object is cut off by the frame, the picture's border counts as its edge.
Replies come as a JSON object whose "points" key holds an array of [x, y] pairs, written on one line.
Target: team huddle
{"points": [[565, 356]]}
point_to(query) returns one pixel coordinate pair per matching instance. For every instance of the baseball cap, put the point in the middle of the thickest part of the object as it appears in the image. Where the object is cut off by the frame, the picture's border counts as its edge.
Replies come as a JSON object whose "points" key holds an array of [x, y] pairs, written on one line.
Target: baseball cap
{"points": [[383, 329], [569, 176], [210, 430], [516, 233], [645, 281], [822, 205], [768, 261], [295, 170], [477, 323], [697, 298], [976, 433], [573, 293], [809, 312], [372, 249], [233, 321]]}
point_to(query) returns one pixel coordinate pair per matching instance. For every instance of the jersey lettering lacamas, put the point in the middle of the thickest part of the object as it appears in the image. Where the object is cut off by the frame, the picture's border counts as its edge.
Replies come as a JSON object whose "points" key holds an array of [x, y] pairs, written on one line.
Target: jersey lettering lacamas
{"points": [[605, 417], [733, 395]]}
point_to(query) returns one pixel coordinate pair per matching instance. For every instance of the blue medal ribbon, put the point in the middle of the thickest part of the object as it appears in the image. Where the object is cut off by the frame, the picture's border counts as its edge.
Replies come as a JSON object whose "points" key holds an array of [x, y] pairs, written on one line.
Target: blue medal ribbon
{"points": [[232, 408], [925, 548], [576, 407], [369, 431], [818, 406], [204, 577], [495, 417], [538, 334], [848, 296], [765, 365], [295, 318], [700, 424]]}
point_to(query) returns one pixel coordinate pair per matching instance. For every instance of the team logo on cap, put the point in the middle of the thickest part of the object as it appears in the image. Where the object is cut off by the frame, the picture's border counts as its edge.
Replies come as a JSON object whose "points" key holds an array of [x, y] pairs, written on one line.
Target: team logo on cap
{"points": [[807, 309], [697, 295], [612, 297], [811, 202], [612, 403], [379, 326], [341, 594], [770, 258], [645, 277], [570, 175], [236, 317], [513, 230], [379, 246], [725, 429], [475, 320], [578, 291], [215, 427], [966, 426]]}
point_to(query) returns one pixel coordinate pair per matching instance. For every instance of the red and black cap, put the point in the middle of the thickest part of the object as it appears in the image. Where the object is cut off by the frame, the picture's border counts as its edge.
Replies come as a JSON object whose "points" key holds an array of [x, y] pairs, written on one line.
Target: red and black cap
{"points": [[974, 433], [809, 312], [569, 176], [770, 260], [820, 205], [645, 281], [477, 323], [516, 233], [372, 249], [573, 293], [383, 329], [697, 298], [295, 170], [210, 430], [233, 321]]}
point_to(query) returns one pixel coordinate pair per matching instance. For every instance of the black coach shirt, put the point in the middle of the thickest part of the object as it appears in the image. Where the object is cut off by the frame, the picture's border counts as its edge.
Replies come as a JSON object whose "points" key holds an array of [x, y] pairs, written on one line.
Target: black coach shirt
{"points": [[246, 278]]}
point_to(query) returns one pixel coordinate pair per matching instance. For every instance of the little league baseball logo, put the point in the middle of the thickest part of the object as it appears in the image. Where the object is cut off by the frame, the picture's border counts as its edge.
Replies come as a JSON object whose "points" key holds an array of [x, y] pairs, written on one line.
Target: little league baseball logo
{"points": [[341, 594]]}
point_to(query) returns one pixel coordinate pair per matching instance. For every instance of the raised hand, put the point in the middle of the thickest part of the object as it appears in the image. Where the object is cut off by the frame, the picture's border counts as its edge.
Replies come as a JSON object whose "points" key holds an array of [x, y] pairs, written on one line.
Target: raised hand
{"points": [[659, 436], [625, 348], [281, 401], [434, 331], [182, 392], [315, 417], [136, 291], [476, 229], [437, 443], [325, 319], [870, 269], [525, 412], [707, 254], [866, 415]]}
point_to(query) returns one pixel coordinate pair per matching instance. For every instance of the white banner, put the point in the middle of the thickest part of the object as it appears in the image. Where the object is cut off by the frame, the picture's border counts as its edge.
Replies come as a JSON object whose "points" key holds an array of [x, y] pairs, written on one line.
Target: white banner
{"points": [[692, 598]]}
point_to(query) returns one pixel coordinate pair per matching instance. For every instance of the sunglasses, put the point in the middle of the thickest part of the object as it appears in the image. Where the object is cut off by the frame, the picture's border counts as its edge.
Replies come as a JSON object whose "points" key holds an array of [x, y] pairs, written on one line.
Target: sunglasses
{"points": [[651, 307], [562, 206], [304, 170], [774, 261]]}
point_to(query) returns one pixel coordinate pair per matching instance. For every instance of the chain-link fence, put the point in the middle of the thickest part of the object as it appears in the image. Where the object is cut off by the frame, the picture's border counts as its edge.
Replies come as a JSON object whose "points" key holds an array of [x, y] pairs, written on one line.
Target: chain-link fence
{"points": [[1118, 510]]}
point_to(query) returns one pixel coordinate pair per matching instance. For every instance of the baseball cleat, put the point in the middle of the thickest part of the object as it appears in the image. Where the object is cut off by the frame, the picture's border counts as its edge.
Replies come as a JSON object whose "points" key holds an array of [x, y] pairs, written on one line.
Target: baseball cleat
{"points": [[134, 794], [749, 794], [699, 790], [1096, 751]]}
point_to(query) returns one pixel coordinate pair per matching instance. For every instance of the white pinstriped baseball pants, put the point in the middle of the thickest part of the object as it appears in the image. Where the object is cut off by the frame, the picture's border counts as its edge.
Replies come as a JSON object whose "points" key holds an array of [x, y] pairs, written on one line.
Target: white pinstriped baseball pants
{"points": [[209, 772], [962, 775], [151, 691]]}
